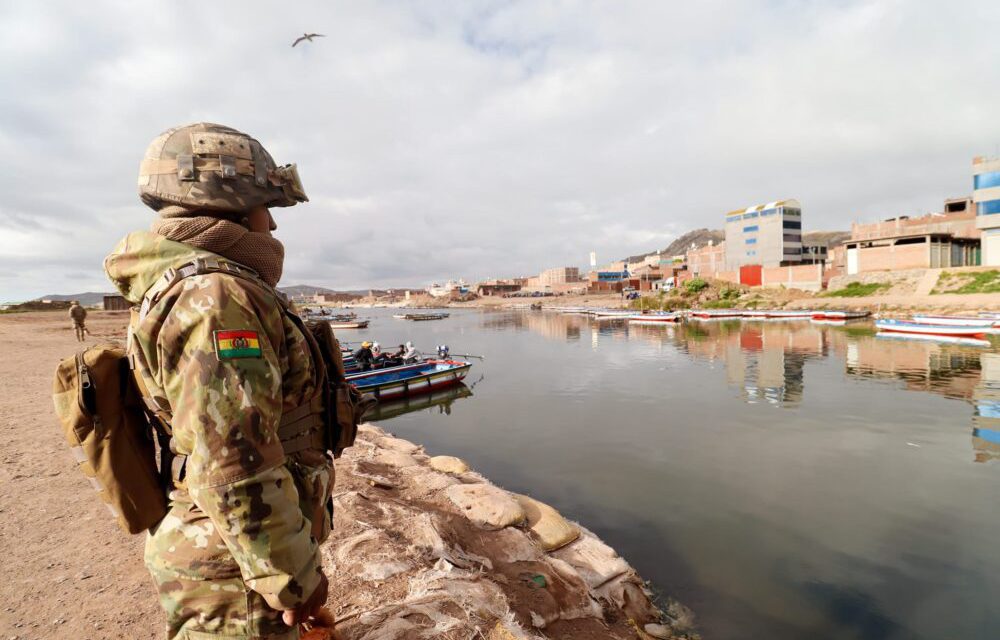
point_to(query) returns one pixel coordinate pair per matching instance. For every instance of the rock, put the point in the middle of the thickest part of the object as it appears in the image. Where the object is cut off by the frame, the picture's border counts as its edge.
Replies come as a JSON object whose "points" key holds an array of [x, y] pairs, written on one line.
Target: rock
{"points": [[396, 459], [552, 530], [396, 444], [658, 630], [485, 505], [448, 464]]}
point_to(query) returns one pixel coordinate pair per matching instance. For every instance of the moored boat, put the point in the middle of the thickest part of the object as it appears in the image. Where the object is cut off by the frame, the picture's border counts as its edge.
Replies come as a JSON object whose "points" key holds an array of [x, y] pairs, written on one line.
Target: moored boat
{"points": [[788, 314], [351, 324], [410, 380], [921, 328], [611, 314], [923, 337], [417, 317], [659, 317], [954, 321], [715, 313], [832, 314]]}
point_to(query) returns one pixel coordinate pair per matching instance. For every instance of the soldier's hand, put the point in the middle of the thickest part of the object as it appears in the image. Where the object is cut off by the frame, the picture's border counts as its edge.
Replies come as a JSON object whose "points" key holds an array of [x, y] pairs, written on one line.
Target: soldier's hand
{"points": [[308, 609]]}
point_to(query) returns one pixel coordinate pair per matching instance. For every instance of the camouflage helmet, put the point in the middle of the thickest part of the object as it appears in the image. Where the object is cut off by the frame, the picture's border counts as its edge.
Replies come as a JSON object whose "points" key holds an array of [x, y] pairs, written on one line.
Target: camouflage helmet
{"points": [[209, 166]]}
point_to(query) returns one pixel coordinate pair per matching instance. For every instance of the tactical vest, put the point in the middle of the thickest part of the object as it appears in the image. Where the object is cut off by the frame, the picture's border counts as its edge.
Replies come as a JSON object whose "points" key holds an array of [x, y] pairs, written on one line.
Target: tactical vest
{"points": [[111, 428]]}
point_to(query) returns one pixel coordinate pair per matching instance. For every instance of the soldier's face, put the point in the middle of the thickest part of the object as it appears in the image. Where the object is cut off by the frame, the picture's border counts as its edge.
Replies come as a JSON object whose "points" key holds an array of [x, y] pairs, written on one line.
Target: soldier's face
{"points": [[260, 220]]}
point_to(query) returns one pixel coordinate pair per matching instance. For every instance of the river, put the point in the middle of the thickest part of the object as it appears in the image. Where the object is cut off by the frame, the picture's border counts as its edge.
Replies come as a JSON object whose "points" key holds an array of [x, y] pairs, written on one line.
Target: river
{"points": [[782, 479]]}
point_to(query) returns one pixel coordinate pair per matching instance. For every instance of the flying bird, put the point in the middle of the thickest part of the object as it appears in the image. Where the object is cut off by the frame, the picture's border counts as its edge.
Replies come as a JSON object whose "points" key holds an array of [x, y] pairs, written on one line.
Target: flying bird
{"points": [[307, 36]]}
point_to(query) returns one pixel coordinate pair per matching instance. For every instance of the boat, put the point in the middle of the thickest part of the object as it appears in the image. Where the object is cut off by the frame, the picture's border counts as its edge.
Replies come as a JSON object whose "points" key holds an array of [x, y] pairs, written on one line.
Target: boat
{"points": [[660, 317], [788, 314], [705, 314], [839, 315], [421, 316], [350, 324], [922, 328], [410, 380], [954, 321], [611, 314]]}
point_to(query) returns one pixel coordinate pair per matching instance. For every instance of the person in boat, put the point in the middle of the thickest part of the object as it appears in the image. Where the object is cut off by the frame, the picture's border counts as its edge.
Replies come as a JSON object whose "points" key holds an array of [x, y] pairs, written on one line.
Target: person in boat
{"points": [[412, 355], [364, 356]]}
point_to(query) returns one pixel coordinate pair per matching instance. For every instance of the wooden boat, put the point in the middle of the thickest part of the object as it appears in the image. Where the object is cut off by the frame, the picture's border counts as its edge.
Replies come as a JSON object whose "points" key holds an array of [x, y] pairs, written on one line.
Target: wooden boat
{"points": [[410, 380], [660, 317], [715, 313], [954, 321], [612, 314], [839, 315], [418, 317], [351, 324], [920, 328]]}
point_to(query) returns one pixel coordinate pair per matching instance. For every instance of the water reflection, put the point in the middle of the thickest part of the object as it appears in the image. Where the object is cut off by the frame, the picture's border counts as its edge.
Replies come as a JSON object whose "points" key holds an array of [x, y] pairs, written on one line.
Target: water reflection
{"points": [[441, 400]]}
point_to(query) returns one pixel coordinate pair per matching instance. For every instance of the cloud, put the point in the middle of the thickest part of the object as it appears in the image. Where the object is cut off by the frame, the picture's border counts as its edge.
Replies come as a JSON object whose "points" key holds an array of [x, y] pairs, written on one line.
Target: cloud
{"points": [[488, 138]]}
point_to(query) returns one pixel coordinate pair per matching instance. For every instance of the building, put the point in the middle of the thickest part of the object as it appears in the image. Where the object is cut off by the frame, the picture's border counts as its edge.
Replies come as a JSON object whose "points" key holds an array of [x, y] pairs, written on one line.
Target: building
{"points": [[815, 252], [769, 235], [986, 196], [708, 260], [116, 303], [559, 275], [932, 241], [498, 287]]}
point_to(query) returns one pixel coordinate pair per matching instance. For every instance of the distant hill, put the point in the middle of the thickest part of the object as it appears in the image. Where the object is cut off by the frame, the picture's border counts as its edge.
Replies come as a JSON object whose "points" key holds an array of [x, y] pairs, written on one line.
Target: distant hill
{"points": [[830, 238], [86, 299], [299, 290]]}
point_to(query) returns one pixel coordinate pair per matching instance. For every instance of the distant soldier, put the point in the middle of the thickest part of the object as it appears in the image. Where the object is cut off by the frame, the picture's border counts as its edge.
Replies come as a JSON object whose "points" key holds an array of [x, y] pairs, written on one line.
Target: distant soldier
{"points": [[79, 317], [240, 383]]}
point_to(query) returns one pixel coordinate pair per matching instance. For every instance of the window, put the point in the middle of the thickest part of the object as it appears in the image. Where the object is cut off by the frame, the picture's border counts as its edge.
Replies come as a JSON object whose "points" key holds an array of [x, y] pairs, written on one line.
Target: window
{"points": [[751, 240], [986, 180], [792, 213], [987, 208], [792, 237], [792, 224], [752, 214], [768, 212], [751, 228], [751, 253]]}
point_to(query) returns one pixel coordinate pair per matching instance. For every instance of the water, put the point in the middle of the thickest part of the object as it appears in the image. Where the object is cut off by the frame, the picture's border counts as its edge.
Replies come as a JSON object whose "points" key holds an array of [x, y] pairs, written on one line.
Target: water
{"points": [[783, 479]]}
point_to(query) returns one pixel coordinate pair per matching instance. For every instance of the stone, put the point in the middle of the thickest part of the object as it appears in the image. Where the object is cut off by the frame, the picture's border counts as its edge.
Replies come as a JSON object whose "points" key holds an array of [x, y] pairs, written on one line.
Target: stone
{"points": [[551, 529], [448, 464], [485, 505]]}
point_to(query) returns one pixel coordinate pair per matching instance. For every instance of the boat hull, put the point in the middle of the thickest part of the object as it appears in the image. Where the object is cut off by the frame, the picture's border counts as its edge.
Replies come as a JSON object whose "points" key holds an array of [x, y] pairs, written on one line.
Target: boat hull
{"points": [[651, 318], [954, 321], [410, 380], [917, 328]]}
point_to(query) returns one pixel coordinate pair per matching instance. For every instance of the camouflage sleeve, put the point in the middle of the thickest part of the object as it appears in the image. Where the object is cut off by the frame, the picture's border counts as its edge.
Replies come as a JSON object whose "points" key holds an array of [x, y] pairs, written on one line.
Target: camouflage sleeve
{"points": [[221, 375]]}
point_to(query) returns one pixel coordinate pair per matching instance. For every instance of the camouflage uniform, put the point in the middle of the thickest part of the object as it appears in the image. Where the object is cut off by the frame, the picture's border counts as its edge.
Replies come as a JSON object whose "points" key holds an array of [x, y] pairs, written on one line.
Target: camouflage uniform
{"points": [[241, 540], [79, 316]]}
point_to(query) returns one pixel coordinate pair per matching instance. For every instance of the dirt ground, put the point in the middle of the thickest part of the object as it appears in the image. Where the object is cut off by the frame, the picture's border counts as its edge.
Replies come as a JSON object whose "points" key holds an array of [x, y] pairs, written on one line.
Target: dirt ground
{"points": [[69, 572], [404, 561]]}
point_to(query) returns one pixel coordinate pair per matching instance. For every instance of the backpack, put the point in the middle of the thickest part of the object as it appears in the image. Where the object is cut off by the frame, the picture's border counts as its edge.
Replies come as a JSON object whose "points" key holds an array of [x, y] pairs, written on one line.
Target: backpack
{"points": [[105, 424]]}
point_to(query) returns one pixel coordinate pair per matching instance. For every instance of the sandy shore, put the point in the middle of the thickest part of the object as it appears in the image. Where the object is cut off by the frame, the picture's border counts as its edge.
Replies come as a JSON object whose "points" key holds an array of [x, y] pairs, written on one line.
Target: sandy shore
{"points": [[421, 548]]}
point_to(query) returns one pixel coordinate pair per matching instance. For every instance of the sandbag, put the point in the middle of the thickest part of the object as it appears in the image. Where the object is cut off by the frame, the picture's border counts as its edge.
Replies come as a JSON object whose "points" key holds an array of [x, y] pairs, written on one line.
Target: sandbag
{"points": [[551, 529]]}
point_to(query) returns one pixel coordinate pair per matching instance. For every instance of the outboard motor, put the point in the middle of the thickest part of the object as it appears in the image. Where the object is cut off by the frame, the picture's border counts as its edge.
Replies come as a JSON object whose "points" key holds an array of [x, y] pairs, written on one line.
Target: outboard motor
{"points": [[443, 351]]}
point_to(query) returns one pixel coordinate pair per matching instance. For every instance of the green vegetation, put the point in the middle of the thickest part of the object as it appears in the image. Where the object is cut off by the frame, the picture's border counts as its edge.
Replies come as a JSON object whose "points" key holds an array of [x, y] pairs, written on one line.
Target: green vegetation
{"points": [[974, 282], [695, 285], [857, 290]]}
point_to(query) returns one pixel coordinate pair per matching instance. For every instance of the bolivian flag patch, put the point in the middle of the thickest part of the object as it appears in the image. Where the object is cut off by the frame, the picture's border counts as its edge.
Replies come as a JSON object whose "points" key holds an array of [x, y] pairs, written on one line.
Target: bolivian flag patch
{"points": [[237, 344]]}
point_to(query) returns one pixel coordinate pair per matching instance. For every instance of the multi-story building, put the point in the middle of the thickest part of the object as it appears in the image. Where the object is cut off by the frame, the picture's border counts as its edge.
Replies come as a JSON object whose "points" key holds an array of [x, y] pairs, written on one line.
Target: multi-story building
{"points": [[986, 196], [707, 260], [769, 235]]}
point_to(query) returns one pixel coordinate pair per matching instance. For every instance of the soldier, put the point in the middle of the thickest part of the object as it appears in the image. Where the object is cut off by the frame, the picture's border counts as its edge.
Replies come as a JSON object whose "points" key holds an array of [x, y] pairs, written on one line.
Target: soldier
{"points": [[79, 317], [239, 382]]}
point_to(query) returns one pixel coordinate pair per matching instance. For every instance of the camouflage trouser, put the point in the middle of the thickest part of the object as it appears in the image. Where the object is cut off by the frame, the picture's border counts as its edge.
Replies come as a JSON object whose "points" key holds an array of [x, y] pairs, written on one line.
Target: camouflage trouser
{"points": [[81, 331], [200, 586]]}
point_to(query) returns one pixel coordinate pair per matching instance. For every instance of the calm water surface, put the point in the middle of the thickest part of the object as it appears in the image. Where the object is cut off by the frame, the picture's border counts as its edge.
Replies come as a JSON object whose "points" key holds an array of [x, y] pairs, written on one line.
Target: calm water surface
{"points": [[783, 479]]}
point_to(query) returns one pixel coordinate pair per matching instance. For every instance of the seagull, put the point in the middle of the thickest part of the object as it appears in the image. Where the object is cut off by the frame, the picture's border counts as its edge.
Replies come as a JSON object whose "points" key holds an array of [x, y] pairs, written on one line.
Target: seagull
{"points": [[307, 36]]}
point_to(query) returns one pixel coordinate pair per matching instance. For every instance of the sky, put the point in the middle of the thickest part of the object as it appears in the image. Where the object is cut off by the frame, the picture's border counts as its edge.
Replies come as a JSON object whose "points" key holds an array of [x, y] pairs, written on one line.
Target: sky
{"points": [[484, 139]]}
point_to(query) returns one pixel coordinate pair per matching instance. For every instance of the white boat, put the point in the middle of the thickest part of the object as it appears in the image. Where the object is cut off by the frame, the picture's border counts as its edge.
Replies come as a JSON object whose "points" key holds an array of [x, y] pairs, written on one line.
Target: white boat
{"points": [[789, 313], [954, 321], [611, 314], [660, 317], [839, 315], [902, 326], [715, 313]]}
